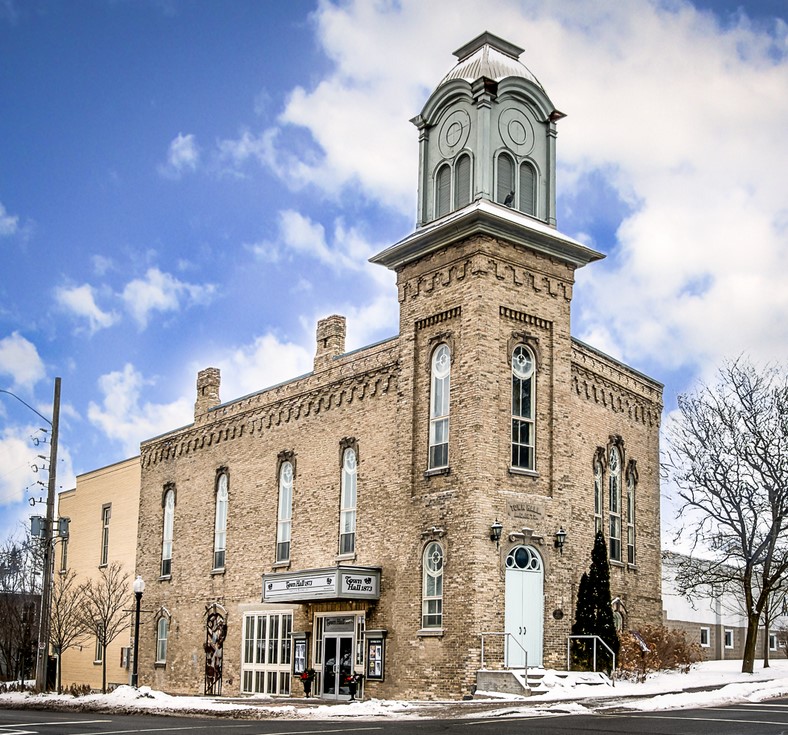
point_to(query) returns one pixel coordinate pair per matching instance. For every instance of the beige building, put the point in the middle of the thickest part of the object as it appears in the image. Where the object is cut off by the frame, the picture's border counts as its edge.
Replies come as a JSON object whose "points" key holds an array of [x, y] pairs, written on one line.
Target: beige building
{"points": [[400, 511], [103, 509]]}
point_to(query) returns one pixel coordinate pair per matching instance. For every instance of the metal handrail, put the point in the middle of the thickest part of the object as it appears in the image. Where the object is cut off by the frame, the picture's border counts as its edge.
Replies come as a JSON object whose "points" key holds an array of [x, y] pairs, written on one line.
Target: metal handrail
{"points": [[506, 648], [595, 638]]}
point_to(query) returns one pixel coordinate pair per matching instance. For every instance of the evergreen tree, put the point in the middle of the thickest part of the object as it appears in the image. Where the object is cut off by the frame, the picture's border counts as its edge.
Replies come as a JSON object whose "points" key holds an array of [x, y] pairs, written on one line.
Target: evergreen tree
{"points": [[599, 584], [583, 625], [594, 611]]}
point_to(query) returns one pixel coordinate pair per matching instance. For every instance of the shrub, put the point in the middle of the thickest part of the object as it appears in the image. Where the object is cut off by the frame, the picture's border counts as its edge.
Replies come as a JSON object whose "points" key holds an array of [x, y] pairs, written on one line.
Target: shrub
{"points": [[668, 650], [78, 690]]}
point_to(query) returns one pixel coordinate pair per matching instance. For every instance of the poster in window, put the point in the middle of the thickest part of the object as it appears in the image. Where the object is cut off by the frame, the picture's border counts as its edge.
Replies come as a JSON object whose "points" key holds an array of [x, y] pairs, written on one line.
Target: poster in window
{"points": [[375, 659], [299, 656]]}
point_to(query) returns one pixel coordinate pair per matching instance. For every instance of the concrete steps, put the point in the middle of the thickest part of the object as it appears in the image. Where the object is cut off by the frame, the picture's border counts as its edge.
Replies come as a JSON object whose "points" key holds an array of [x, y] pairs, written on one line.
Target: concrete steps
{"points": [[534, 681]]}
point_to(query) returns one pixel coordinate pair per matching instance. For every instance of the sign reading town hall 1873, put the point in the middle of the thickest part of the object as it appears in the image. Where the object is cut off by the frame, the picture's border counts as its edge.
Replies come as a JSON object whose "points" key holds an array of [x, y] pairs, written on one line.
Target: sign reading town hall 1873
{"points": [[330, 583]]}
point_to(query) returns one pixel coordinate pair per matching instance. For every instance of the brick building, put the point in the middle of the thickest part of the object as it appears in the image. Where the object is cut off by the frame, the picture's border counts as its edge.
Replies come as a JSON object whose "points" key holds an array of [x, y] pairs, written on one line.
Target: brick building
{"points": [[103, 510], [346, 520]]}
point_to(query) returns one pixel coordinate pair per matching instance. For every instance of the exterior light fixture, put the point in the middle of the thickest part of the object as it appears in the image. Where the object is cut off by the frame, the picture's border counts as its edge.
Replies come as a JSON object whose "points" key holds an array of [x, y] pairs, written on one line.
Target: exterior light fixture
{"points": [[139, 587], [495, 532], [560, 538]]}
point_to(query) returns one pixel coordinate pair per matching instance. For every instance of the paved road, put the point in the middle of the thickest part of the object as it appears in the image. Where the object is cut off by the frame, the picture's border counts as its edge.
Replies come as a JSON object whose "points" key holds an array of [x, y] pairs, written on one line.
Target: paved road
{"points": [[744, 719]]}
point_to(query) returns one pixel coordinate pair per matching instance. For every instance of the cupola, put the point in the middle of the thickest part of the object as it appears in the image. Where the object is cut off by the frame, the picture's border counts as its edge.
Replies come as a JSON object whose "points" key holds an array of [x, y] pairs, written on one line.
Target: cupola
{"points": [[487, 132]]}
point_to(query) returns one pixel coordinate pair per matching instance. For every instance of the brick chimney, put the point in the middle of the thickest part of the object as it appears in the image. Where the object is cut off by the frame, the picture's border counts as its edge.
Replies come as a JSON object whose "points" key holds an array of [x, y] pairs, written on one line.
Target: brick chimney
{"points": [[208, 382], [330, 340]]}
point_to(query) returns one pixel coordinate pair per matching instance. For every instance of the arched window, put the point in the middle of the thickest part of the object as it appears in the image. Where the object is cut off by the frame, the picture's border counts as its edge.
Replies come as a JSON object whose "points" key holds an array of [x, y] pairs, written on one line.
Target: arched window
{"points": [[285, 515], [443, 191], [614, 503], [598, 496], [504, 185], [527, 189], [439, 408], [220, 526], [162, 632], [347, 513], [166, 534], [432, 589], [523, 400], [462, 181], [632, 479]]}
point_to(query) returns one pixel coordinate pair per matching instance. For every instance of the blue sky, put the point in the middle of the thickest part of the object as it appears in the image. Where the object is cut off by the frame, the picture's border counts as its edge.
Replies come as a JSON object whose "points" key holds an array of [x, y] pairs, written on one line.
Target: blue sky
{"points": [[187, 184]]}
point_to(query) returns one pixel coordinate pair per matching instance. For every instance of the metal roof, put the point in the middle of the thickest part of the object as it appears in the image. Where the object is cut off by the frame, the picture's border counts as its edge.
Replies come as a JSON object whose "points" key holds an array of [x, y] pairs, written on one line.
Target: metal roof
{"points": [[491, 57]]}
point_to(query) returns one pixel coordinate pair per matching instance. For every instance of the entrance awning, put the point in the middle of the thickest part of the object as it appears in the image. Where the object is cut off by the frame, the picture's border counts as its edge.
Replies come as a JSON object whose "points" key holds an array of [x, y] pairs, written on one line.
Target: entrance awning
{"points": [[328, 583]]}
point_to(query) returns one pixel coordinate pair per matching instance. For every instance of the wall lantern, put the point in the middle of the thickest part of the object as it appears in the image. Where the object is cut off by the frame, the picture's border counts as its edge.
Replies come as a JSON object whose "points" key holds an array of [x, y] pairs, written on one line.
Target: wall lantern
{"points": [[495, 532], [560, 538]]}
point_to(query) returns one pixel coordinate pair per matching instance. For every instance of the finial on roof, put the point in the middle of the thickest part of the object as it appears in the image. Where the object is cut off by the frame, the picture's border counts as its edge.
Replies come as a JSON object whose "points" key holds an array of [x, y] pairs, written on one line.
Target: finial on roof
{"points": [[488, 39]]}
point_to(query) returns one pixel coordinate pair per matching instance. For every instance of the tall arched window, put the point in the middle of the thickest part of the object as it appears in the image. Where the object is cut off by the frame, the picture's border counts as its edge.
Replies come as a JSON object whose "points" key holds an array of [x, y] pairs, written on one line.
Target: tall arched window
{"points": [[614, 503], [504, 183], [598, 496], [285, 514], [347, 513], [432, 589], [523, 408], [527, 189], [220, 525], [462, 181], [439, 408], [443, 191], [162, 633], [632, 478], [166, 534]]}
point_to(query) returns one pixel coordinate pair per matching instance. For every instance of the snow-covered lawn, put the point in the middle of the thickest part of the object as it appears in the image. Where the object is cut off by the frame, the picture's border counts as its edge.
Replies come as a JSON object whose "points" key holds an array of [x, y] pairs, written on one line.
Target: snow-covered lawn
{"points": [[723, 679]]}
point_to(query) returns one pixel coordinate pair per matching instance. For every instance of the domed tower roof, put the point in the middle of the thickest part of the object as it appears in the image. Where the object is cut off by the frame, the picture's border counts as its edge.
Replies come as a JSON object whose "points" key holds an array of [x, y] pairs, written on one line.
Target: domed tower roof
{"points": [[491, 57]]}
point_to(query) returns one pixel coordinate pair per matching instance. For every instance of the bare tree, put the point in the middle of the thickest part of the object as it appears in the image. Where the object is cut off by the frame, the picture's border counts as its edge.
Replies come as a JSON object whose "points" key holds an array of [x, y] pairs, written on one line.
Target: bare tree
{"points": [[66, 617], [727, 456], [20, 580], [106, 610]]}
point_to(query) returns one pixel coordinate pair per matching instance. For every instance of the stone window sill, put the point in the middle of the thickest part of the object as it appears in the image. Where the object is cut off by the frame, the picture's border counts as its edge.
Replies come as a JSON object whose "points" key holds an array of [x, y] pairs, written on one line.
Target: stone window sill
{"points": [[217, 572], [430, 633], [345, 557], [281, 565], [165, 578], [437, 472], [160, 665], [522, 471]]}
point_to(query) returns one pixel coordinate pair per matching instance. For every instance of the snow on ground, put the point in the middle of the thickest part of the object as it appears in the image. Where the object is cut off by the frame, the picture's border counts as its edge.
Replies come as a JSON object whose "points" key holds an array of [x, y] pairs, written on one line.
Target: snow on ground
{"points": [[713, 683]]}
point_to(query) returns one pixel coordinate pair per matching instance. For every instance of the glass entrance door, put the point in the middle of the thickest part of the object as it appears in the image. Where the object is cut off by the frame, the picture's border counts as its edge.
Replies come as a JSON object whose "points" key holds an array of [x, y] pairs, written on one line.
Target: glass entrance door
{"points": [[337, 665]]}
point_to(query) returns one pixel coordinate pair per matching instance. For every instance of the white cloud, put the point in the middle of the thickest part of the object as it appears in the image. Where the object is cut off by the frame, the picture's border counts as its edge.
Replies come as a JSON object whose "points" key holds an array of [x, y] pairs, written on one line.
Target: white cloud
{"points": [[683, 117], [162, 292], [80, 301], [182, 155], [124, 416], [19, 359], [266, 361], [9, 224]]}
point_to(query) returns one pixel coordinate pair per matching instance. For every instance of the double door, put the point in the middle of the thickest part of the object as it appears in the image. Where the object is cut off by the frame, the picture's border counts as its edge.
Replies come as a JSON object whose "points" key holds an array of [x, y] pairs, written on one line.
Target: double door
{"points": [[337, 665]]}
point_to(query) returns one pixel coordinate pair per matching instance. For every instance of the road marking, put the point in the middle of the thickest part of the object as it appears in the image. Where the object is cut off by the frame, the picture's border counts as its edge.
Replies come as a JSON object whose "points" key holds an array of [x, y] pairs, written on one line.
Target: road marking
{"points": [[718, 720], [498, 719], [166, 729], [312, 732], [13, 729]]}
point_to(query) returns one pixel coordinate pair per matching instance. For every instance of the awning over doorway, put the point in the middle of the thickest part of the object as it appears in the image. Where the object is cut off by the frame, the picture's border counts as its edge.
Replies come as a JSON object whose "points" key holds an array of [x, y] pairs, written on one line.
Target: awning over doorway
{"points": [[328, 583]]}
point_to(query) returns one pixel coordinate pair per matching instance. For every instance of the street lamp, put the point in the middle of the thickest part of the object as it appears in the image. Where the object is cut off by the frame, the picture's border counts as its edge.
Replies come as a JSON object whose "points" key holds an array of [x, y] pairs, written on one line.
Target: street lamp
{"points": [[46, 591], [139, 587]]}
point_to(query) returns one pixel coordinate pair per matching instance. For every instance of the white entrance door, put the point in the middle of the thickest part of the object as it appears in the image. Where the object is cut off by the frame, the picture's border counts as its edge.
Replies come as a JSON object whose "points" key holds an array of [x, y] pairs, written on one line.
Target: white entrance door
{"points": [[524, 612]]}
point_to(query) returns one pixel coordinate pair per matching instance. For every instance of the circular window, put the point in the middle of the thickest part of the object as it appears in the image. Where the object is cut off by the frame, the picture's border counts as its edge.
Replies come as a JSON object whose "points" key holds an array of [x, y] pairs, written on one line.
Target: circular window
{"points": [[441, 362], [522, 362], [525, 558]]}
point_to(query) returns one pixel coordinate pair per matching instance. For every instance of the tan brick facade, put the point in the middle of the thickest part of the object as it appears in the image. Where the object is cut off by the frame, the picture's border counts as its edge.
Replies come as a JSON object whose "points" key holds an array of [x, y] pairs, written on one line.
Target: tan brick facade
{"points": [[116, 488], [482, 282]]}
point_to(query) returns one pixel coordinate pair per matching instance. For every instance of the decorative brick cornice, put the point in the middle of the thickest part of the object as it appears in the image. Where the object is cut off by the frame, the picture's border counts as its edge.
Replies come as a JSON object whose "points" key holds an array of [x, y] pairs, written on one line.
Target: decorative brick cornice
{"points": [[598, 378], [521, 316], [438, 318], [483, 265], [254, 414]]}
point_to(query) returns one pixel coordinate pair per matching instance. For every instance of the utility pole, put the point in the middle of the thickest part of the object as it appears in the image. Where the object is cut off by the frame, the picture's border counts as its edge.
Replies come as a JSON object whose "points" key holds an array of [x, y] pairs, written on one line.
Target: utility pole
{"points": [[46, 590]]}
